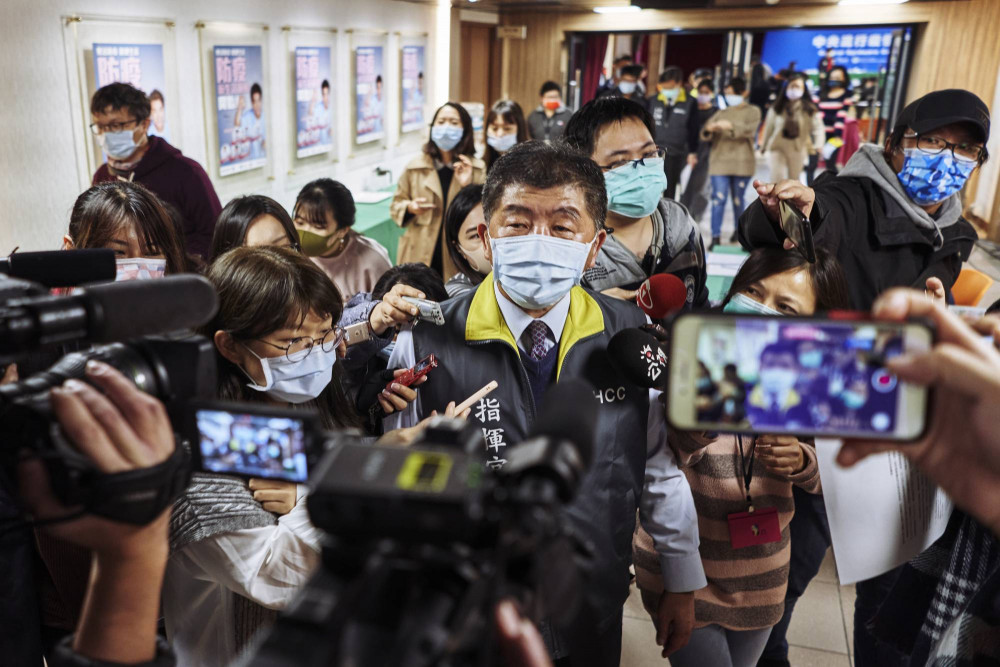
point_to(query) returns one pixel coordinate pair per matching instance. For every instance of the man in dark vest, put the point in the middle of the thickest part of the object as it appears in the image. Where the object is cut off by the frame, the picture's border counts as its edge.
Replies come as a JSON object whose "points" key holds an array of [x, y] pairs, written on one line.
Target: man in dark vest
{"points": [[529, 325]]}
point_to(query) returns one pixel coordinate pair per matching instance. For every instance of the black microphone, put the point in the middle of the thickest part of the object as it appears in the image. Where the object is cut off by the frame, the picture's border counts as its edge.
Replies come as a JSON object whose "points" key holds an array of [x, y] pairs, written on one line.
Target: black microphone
{"points": [[61, 268], [557, 454], [108, 313], [640, 357]]}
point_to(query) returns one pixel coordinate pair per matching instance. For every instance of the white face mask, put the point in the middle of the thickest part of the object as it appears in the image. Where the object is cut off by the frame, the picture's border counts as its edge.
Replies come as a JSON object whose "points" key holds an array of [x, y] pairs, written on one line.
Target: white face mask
{"points": [[296, 381], [777, 380]]}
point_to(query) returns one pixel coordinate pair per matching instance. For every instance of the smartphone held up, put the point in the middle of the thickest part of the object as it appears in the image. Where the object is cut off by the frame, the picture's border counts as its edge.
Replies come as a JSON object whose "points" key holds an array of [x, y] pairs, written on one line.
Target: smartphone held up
{"points": [[791, 375]]}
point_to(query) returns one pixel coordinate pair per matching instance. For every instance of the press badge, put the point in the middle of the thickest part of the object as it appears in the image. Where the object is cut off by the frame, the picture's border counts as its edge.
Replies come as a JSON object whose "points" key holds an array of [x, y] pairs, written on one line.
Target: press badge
{"points": [[749, 529]]}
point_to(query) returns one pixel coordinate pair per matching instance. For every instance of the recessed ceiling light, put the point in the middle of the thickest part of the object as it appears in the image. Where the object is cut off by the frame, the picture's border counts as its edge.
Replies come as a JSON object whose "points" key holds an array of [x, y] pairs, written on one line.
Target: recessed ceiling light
{"points": [[618, 9]]}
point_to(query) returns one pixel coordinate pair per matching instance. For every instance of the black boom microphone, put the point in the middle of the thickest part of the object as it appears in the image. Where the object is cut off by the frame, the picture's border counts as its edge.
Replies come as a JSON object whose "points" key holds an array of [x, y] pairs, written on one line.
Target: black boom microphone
{"points": [[107, 313], [640, 356], [61, 268]]}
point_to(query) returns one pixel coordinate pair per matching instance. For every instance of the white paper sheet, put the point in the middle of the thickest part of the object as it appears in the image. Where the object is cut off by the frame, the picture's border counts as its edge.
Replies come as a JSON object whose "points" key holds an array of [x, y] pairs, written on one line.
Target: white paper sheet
{"points": [[882, 511]]}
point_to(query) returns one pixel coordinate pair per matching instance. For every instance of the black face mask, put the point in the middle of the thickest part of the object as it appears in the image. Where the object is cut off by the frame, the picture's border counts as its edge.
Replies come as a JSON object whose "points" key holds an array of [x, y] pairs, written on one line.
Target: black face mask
{"points": [[836, 83]]}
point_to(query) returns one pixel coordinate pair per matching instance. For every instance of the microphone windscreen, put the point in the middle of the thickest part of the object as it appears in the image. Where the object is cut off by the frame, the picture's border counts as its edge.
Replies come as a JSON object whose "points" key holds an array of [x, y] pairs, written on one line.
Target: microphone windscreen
{"points": [[662, 294], [568, 413], [63, 268], [132, 308], [640, 357]]}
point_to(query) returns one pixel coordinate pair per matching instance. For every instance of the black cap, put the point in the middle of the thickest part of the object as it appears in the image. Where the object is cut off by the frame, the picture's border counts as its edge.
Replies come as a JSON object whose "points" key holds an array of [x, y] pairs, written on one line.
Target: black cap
{"points": [[944, 107]]}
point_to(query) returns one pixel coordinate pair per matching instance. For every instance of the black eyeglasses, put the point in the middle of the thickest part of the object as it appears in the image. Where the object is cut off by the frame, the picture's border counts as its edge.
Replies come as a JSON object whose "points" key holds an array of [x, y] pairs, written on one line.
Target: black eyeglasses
{"points": [[111, 127], [299, 348], [934, 145], [657, 153]]}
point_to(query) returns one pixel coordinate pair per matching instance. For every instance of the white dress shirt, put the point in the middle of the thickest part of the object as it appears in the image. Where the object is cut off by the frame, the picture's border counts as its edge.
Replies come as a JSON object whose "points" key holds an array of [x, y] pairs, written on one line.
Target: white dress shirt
{"points": [[517, 320], [267, 565]]}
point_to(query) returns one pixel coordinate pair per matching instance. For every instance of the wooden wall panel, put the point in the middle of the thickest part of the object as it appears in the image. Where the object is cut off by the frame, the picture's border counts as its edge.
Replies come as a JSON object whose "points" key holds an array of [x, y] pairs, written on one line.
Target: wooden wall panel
{"points": [[536, 59]]}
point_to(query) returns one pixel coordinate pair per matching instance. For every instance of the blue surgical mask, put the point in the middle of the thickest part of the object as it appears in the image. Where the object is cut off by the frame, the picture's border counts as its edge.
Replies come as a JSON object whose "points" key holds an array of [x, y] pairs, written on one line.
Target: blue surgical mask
{"points": [[733, 100], [670, 94], [811, 358], [853, 399], [634, 190], [627, 87], [446, 137], [502, 144], [296, 381], [741, 304], [536, 271], [928, 178], [119, 145], [777, 380]]}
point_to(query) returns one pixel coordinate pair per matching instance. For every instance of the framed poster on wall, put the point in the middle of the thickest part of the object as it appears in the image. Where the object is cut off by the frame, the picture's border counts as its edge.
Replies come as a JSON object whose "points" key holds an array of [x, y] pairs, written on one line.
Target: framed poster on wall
{"points": [[140, 65], [369, 94], [240, 108], [413, 99], [313, 101]]}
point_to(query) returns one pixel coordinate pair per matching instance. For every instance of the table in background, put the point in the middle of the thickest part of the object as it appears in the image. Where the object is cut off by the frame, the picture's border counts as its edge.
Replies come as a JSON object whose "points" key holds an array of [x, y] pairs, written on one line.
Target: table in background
{"points": [[374, 221]]}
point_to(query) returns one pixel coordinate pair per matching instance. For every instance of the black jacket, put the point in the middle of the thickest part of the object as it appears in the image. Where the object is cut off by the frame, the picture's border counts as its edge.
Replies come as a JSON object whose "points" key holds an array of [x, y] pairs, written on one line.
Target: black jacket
{"points": [[876, 243], [671, 122]]}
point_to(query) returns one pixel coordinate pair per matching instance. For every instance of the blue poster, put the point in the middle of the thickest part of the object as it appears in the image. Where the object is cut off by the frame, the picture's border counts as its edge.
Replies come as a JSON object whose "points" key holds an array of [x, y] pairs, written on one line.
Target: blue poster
{"points": [[413, 88], [142, 66], [861, 50], [239, 103], [369, 94], [313, 106]]}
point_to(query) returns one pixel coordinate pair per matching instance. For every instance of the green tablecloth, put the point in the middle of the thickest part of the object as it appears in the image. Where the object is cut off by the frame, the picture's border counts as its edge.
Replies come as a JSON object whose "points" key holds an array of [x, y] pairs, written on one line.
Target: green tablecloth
{"points": [[373, 221]]}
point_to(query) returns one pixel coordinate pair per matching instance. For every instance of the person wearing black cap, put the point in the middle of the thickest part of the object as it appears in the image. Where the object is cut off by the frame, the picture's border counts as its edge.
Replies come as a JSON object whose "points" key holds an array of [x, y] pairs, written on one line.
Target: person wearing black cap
{"points": [[893, 217]]}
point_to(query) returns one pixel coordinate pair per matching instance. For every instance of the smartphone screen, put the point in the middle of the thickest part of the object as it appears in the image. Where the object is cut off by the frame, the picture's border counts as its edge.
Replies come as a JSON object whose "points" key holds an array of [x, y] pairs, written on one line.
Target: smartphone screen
{"points": [[422, 364], [795, 375], [798, 228], [252, 445]]}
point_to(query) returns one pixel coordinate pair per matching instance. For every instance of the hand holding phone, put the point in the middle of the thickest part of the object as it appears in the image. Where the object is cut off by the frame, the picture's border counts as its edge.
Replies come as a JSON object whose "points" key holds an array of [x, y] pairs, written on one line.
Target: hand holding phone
{"points": [[429, 311], [411, 375], [798, 229]]}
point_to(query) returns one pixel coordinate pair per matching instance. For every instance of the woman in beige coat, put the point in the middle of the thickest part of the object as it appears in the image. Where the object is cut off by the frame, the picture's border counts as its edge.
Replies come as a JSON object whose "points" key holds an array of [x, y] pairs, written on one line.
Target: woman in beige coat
{"points": [[792, 129], [428, 185]]}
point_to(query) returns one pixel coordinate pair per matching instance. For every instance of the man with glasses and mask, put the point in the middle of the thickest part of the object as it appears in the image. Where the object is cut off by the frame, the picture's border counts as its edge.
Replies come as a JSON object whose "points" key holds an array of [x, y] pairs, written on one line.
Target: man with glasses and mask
{"points": [[893, 217], [648, 233], [528, 325], [121, 119]]}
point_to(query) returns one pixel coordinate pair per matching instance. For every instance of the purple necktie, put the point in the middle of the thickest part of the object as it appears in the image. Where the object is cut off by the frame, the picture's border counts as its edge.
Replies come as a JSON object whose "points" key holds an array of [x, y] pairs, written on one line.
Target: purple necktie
{"points": [[538, 333]]}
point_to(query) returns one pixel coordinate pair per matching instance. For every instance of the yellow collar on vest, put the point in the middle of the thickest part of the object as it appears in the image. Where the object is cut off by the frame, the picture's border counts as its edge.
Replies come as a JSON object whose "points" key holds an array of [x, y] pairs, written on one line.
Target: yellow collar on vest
{"points": [[485, 321]]}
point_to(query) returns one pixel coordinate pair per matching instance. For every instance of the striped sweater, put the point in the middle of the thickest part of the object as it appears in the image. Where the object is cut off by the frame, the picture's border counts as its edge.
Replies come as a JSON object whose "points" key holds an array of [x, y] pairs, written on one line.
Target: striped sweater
{"points": [[746, 587]]}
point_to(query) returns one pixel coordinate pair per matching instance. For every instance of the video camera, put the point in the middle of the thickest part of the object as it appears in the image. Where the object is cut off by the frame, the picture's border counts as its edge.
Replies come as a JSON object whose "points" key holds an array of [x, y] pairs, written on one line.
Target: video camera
{"points": [[172, 368], [423, 541]]}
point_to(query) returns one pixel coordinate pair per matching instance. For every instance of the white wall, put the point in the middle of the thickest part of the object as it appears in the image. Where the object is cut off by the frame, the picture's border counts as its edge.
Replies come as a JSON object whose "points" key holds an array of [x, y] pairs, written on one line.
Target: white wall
{"points": [[39, 177]]}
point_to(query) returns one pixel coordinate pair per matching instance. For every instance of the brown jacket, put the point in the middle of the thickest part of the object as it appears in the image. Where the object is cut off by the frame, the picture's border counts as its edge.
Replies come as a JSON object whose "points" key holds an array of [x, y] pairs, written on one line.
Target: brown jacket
{"points": [[423, 231], [732, 150]]}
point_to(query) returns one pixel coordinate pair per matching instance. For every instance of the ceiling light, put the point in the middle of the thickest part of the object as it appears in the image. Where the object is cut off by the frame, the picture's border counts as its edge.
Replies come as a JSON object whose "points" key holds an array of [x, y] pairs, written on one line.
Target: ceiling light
{"points": [[618, 9], [871, 2]]}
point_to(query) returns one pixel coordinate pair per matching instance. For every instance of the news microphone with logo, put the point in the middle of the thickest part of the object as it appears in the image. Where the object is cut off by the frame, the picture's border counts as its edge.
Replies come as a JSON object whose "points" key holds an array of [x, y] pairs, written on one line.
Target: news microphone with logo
{"points": [[640, 357], [661, 295], [61, 268]]}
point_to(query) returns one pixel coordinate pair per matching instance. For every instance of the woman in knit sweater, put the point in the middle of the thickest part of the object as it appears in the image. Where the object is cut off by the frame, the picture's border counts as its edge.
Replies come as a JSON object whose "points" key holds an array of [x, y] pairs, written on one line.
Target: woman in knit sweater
{"points": [[746, 587]]}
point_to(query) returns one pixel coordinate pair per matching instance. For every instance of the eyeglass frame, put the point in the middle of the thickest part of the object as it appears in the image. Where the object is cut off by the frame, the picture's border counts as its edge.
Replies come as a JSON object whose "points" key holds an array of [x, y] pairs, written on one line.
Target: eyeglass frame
{"points": [[947, 146], [96, 130], [661, 154], [340, 336]]}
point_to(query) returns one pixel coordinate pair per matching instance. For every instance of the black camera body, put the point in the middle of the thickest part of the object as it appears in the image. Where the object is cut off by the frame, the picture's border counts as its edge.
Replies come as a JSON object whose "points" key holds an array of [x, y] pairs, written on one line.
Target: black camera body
{"points": [[423, 541]]}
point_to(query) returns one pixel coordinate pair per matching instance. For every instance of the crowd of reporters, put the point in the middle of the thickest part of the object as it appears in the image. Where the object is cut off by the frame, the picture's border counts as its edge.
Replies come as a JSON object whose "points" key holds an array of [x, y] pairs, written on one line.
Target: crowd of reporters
{"points": [[536, 252]]}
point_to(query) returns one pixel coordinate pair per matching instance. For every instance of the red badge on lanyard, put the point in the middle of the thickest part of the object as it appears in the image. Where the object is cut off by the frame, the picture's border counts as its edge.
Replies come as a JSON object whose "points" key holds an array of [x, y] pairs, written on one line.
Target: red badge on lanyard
{"points": [[756, 525]]}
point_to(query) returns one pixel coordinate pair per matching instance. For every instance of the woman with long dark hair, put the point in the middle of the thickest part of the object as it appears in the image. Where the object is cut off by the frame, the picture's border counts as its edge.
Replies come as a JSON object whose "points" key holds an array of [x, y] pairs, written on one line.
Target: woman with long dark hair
{"points": [[461, 231], [430, 183], [505, 128], [792, 128], [253, 220]]}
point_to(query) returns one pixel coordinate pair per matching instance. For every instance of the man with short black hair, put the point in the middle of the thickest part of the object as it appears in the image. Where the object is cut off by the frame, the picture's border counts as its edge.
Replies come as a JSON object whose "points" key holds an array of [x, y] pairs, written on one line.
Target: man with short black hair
{"points": [[252, 121], [121, 119], [616, 73], [671, 111], [627, 86], [651, 234], [529, 325], [548, 122]]}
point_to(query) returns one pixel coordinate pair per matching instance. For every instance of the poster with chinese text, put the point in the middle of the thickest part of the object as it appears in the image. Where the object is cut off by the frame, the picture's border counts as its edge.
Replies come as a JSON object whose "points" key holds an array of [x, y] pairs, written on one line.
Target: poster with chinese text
{"points": [[369, 88], [239, 99], [413, 87], [140, 65], [313, 103]]}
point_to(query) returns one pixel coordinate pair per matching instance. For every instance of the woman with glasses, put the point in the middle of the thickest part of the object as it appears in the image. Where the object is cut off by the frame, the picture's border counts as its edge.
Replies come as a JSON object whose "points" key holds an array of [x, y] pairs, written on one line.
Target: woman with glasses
{"points": [[240, 550], [647, 233], [731, 161], [893, 217]]}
